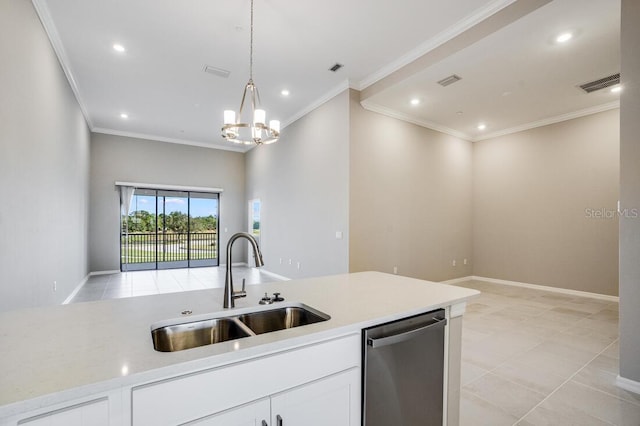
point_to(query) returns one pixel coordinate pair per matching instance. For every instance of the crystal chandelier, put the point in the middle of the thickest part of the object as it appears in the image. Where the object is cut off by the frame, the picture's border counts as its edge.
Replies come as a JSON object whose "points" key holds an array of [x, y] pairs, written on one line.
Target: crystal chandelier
{"points": [[254, 131]]}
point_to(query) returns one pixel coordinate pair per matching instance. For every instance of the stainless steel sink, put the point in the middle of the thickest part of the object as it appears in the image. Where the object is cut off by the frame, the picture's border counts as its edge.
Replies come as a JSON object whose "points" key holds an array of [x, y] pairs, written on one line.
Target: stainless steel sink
{"points": [[279, 319], [193, 334], [186, 335]]}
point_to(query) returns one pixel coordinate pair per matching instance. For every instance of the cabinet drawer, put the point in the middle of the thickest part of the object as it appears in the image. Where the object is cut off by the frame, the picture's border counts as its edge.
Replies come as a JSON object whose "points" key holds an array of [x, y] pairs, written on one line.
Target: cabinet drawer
{"points": [[190, 397]]}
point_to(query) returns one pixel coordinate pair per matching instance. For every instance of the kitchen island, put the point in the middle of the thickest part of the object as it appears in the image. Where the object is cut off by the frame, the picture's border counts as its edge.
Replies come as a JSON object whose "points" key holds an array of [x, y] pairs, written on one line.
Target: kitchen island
{"points": [[96, 360]]}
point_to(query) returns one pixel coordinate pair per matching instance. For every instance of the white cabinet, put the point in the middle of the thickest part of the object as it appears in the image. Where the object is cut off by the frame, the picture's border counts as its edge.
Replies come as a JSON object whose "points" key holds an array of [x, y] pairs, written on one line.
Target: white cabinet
{"points": [[255, 413], [332, 401], [304, 378], [93, 413]]}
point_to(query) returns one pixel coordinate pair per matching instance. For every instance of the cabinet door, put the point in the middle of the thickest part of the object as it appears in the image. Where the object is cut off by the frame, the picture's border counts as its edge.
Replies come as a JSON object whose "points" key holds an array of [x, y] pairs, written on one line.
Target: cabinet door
{"points": [[333, 401], [255, 413]]}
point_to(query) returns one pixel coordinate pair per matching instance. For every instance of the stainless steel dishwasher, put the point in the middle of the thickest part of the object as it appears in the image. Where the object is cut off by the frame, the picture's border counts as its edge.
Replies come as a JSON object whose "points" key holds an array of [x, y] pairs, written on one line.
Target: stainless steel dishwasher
{"points": [[403, 371]]}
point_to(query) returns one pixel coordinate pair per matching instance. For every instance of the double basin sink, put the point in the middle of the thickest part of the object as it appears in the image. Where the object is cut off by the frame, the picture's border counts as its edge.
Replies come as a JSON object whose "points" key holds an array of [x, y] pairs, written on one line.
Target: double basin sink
{"points": [[207, 331]]}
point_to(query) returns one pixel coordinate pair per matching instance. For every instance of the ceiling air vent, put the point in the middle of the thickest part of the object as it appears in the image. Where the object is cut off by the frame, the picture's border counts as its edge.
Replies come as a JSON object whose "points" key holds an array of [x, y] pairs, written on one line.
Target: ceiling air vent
{"points": [[612, 80], [216, 71], [449, 80], [336, 67]]}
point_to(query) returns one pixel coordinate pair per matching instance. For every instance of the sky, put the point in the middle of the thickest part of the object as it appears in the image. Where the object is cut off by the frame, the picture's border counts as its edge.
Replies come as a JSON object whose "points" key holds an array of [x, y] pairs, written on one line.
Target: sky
{"points": [[199, 206]]}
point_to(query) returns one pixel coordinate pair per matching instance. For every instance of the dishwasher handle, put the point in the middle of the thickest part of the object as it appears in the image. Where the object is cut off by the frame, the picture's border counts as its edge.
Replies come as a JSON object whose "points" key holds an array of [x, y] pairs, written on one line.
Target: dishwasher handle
{"points": [[407, 335]]}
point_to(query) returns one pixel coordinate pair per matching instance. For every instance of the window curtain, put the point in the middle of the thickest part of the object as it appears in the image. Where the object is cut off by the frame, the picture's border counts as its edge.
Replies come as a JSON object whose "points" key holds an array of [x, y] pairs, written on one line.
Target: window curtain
{"points": [[126, 196]]}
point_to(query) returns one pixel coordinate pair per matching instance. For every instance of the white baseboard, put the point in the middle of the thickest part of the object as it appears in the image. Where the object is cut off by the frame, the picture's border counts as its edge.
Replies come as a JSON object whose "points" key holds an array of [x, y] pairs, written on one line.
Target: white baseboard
{"points": [[457, 280], [271, 274], [224, 265], [76, 290], [628, 384], [94, 273], [547, 288]]}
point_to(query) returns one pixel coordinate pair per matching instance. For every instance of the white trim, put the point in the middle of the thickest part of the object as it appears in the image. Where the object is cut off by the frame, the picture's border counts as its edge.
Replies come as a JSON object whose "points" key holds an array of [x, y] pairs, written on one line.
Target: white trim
{"points": [[457, 280], [234, 148], [170, 187], [547, 288], [271, 274], [52, 32], [438, 40], [551, 120], [224, 265], [457, 310], [370, 106], [346, 84], [628, 384], [113, 271], [76, 290]]}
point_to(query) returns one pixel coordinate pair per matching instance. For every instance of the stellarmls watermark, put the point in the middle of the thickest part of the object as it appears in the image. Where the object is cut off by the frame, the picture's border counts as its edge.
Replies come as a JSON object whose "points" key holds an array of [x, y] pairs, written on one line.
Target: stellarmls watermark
{"points": [[611, 213]]}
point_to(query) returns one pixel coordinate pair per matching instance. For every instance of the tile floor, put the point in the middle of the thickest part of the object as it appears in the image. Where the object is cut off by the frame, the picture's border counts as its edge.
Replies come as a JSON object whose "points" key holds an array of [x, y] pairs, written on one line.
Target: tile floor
{"points": [[529, 357], [142, 283], [532, 357]]}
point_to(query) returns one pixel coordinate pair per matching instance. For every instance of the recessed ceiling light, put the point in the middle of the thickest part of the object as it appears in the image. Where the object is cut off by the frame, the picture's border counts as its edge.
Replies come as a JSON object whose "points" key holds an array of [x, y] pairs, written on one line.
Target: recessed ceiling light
{"points": [[124, 116], [482, 126], [415, 101], [284, 92], [564, 37], [118, 48], [616, 89]]}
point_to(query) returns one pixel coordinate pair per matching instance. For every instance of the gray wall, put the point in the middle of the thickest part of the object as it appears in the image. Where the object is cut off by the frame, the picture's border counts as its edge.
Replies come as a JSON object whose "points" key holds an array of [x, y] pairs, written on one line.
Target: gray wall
{"points": [[532, 190], [630, 193], [410, 193], [118, 158], [44, 168], [303, 183]]}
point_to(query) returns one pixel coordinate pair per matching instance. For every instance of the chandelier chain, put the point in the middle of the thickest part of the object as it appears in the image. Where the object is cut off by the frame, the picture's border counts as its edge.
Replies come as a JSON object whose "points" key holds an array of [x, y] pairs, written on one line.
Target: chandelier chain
{"points": [[258, 131], [251, 46]]}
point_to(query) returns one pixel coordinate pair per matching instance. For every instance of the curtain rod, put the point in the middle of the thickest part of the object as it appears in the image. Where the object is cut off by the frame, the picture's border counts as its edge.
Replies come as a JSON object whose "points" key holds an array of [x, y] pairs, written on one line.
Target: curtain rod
{"points": [[169, 187]]}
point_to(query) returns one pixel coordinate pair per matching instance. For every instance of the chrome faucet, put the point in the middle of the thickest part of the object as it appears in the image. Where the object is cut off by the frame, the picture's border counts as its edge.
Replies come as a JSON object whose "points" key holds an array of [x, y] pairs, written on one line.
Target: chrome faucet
{"points": [[229, 294]]}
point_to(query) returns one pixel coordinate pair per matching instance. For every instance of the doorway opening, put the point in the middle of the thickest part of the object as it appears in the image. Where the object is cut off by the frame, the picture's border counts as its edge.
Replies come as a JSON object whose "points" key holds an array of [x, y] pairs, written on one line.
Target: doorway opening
{"points": [[254, 226]]}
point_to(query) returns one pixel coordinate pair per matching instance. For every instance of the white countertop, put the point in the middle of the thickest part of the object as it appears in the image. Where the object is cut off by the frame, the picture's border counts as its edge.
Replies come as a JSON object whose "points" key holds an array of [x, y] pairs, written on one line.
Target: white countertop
{"points": [[59, 353]]}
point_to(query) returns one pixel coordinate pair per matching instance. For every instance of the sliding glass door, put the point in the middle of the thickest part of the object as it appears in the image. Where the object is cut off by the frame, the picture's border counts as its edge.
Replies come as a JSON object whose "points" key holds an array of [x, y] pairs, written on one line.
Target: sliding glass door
{"points": [[173, 229], [170, 229], [203, 223]]}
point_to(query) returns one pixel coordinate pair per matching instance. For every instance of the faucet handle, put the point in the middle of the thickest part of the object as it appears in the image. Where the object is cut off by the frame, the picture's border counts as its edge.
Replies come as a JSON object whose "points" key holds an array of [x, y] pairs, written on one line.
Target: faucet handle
{"points": [[241, 293], [277, 298], [243, 284]]}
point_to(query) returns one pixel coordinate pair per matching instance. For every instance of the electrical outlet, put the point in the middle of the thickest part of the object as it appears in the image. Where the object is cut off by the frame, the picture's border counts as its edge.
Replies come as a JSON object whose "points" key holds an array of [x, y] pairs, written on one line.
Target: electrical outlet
{"points": [[453, 263], [289, 261], [464, 261], [395, 270], [298, 265], [281, 261], [55, 286]]}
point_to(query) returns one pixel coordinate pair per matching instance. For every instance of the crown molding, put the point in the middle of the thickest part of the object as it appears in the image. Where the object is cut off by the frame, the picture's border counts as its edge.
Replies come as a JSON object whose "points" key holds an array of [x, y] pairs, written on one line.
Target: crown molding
{"points": [[550, 120], [330, 94], [439, 39], [168, 140], [52, 32], [370, 106]]}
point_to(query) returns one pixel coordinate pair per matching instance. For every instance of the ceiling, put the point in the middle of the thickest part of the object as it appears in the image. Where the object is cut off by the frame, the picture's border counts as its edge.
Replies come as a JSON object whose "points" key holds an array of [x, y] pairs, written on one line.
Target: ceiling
{"points": [[514, 75]]}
